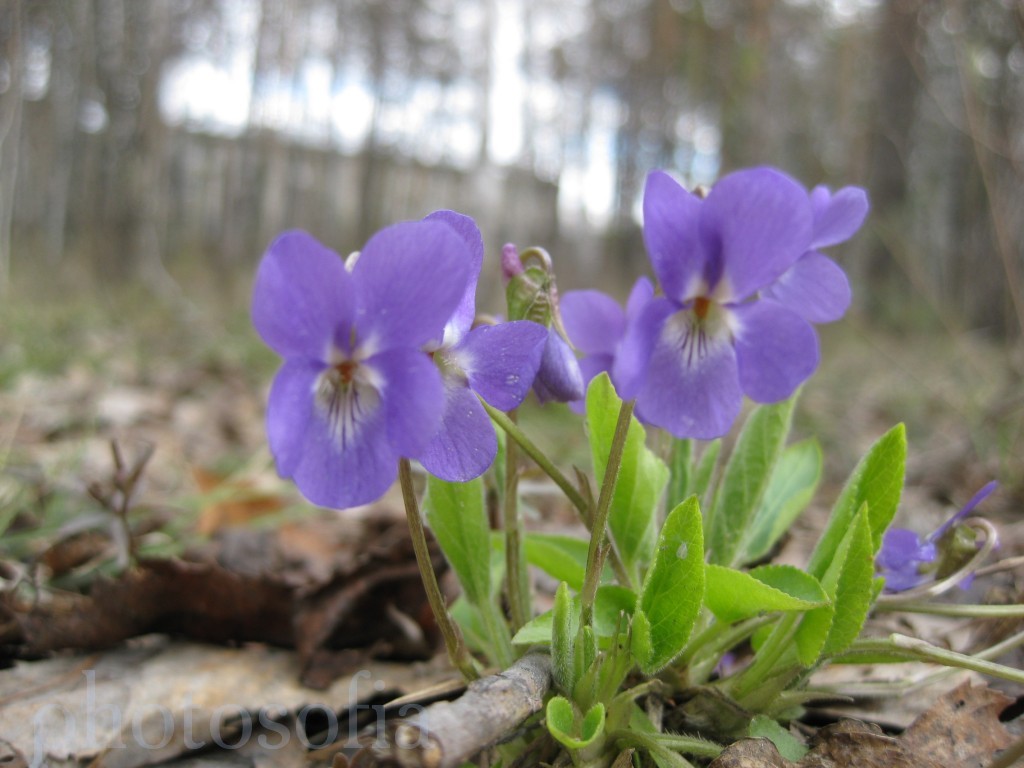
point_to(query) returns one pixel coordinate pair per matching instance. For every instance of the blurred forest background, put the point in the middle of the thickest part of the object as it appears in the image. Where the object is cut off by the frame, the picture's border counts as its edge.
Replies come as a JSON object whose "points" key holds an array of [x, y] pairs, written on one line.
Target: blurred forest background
{"points": [[142, 138]]}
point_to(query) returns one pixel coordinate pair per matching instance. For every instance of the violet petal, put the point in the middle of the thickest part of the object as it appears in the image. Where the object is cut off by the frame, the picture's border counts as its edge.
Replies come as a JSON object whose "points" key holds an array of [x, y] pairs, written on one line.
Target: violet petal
{"points": [[413, 396], [465, 445], [634, 352], [501, 361], [837, 216], [594, 321], [559, 377], [691, 395], [289, 410], [462, 319], [815, 287], [411, 277], [777, 350], [302, 296], [759, 220], [671, 234]]}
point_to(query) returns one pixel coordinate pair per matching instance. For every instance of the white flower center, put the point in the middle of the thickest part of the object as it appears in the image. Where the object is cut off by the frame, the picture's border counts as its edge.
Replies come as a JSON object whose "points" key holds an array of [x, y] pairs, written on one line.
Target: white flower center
{"points": [[347, 395]]}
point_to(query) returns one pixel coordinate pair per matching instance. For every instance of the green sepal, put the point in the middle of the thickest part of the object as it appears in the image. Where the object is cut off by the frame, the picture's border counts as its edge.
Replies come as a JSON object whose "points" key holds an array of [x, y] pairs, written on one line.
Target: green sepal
{"points": [[528, 296]]}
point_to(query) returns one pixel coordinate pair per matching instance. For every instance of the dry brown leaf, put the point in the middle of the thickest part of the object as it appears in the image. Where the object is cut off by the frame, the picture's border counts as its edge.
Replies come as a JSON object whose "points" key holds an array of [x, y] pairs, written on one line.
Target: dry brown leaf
{"points": [[239, 500], [962, 729]]}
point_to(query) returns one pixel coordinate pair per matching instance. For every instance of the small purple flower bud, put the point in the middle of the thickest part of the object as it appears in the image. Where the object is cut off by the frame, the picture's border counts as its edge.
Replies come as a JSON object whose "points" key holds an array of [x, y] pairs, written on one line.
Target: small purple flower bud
{"points": [[906, 560], [510, 263]]}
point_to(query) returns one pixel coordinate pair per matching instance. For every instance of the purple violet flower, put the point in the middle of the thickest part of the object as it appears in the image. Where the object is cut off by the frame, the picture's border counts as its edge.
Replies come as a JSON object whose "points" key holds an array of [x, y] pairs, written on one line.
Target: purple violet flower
{"points": [[691, 355], [815, 286], [356, 391], [904, 554], [596, 325], [496, 362]]}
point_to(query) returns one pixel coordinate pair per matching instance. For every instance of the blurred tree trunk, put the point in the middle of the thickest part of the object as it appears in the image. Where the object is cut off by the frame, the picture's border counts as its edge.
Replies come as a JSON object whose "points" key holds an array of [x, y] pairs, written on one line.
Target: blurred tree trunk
{"points": [[899, 86], [10, 128], [745, 116]]}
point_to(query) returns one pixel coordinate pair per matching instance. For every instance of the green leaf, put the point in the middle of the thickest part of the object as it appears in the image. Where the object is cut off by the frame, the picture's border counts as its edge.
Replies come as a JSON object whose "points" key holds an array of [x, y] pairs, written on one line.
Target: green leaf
{"points": [[563, 557], [746, 478], [854, 589], [733, 595], [790, 489], [468, 617], [812, 634], [673, 589], [849, 581], [642, 475], [562, 723], [876, 481], [455, 513], [565, 625], [764, 727]]}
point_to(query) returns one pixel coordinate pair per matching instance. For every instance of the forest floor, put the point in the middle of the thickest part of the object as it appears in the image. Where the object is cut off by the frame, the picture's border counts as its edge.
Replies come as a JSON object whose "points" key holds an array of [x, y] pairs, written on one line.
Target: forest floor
{"points": [[96, 385]]}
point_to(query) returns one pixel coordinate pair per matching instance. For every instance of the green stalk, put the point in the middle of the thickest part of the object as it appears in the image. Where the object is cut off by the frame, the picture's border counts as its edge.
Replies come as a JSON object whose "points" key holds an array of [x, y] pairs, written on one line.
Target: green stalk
{"points": [[702, 653], [597, 551], [458, 653], [913, 649], [768, 655], [518, 597], [967, 611], [575, 497]]}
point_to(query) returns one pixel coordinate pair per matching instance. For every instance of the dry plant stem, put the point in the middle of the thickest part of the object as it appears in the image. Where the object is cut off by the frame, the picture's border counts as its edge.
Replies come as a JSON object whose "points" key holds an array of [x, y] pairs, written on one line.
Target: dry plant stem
{"points": [[453, 642], [519, 602], [575, 497], [596, 553], [447, 734]]}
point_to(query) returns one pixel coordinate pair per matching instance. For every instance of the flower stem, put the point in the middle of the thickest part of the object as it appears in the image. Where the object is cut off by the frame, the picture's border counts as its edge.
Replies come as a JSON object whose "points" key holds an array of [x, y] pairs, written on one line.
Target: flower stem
{"points": [[913, 649], [959, 610], [458, 653], [518, 594], [597, 551], [575, 497]]}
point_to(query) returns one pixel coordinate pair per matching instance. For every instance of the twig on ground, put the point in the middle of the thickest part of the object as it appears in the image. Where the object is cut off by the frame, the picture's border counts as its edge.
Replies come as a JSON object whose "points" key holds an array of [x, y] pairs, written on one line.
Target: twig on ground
{"points": [[446, 734]]}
